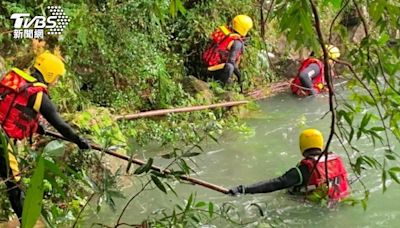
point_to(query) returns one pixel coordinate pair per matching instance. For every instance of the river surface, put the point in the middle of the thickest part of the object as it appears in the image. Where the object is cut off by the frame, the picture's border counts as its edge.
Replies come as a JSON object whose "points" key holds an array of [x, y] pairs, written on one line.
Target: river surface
{"points": [[271, 150]]}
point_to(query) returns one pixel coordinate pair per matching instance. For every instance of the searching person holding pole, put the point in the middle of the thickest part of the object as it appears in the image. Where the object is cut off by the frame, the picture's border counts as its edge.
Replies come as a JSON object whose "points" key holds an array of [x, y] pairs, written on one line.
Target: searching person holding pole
{"points": [[309, 174], [222, 56], [23, 98]]}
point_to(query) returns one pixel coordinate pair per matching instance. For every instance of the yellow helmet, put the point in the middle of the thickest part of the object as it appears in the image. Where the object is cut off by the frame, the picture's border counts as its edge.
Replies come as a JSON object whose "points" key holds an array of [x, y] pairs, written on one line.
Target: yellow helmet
{"points": [[242, 24], [311, 138], [50, 66], [333, 52]]}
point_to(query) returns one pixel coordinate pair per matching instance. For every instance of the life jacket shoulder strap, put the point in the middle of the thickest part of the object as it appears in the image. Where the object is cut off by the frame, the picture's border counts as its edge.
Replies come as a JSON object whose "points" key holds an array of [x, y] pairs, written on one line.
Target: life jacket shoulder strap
{"points": [[24, 75]]}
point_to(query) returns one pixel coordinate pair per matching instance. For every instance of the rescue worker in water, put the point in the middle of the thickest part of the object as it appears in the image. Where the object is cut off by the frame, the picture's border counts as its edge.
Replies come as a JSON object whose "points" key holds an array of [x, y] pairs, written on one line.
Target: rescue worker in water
{"points": [[222, 57], [23, 98], [302, 178], [310, 79]]}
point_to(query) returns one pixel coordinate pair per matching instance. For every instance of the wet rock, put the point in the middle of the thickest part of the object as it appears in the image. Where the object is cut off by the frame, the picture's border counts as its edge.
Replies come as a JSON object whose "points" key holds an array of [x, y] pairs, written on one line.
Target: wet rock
{"points": [[198, 88], [193, 85], [227, 96], [287, 68]]}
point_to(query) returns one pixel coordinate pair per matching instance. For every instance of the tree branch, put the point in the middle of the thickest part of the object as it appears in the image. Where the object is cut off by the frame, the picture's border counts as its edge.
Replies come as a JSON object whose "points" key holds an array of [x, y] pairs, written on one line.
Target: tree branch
{"points": [[328, 77]]}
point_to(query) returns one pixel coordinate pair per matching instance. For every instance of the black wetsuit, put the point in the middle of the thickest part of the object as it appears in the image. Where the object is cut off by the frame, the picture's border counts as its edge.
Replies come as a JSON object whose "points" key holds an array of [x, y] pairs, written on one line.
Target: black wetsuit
{"points": [[307, 75], [49, 112], [230, 67], [297, 176]]}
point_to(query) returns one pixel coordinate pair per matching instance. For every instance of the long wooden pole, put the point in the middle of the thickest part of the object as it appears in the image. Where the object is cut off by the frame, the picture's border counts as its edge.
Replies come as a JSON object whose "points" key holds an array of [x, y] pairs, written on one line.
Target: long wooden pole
{"points": [[153, 167], [162, 112]]}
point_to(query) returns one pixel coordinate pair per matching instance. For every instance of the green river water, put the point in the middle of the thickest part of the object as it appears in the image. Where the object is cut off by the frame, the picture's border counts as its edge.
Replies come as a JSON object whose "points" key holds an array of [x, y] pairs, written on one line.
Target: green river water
{"points": [[269, 152]]}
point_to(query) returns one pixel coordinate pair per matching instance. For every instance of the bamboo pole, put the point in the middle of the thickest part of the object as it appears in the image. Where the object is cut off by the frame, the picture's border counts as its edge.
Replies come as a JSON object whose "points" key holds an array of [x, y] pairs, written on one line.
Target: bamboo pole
{"points": [[162, 112], [153, 167]]}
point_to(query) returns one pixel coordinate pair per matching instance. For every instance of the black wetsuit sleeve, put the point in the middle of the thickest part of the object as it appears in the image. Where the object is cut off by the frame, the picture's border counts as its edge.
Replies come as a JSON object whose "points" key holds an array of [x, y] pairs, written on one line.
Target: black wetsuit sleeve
{"points": [[293, 177], [49, 112], [236, 48]]}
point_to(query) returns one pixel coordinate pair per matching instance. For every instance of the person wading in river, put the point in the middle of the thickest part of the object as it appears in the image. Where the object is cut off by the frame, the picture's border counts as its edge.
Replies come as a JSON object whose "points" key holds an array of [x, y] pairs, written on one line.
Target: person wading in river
{"points": [[23, 98], [222, 56], [304, 178], [311, 79]]}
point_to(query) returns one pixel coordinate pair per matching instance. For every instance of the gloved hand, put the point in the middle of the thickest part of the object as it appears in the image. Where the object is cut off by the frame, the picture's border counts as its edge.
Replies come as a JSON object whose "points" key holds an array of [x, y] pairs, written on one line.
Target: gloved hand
{"points": [[83, 144], [236, 190]]}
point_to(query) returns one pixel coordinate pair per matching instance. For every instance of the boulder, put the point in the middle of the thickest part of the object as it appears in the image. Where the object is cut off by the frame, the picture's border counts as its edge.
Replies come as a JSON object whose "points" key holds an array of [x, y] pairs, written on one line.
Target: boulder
{"points": [[197, 88], [287, 68], [193, 85]]}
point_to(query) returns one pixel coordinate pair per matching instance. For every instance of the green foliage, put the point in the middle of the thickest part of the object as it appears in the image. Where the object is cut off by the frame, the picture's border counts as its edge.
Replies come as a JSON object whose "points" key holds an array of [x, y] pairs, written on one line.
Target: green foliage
{"points": [[34, 196], [296, 23], [370, 112]]}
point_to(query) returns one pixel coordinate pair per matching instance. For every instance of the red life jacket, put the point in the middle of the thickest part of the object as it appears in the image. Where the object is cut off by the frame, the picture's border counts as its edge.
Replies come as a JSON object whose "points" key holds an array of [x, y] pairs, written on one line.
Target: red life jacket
{"points": [[318, 81], [218, 51], [17, 119], [339, 187]]}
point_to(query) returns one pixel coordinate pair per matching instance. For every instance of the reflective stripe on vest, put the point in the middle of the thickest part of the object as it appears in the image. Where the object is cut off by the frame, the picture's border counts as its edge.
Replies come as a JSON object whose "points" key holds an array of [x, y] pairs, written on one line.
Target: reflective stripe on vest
{"points": [[17, 119]]}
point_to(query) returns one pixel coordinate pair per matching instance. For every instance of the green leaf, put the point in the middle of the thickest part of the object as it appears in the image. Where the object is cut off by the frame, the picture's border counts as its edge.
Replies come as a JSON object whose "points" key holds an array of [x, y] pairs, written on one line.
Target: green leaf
{"points": [[384, 177], [158, 183], [195, 218], [199, 147], [336, 4], [200, 204], [365, 120], [210, 209], [168, 156], [53, 168], [364, 204], [190, 154], [357, 166], [183, 165], [172, 8], [394, 169], [383, 39], [180, 7], [144, 168], [54, 149], [172, 189], [212, 137], [34, 197], [178, 173], [372, 162], [189, 203], [158, 174], [390, 157], [394, 176], [377, 129]]}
